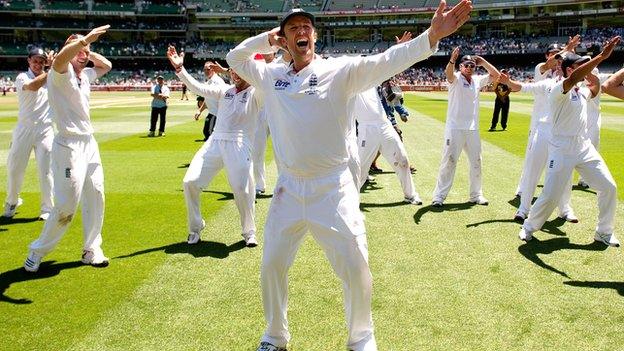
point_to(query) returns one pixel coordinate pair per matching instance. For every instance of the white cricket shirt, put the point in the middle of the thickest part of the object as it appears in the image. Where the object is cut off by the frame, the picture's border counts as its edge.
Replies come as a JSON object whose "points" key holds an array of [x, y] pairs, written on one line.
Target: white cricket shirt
{"points": [[237, 112], [309, 111], [368, 108], [540, 91], [463, 102], [569, 111], [211, 104], [33, 106], [69, 99]]}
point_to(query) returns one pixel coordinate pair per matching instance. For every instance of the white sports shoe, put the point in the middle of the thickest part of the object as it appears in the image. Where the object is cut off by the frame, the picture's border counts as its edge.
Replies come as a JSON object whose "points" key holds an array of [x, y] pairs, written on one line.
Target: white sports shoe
{"points": [[9, 209], [259, 192], [32, 262], [44, 216], [525, 235], [569, 217], [94, 258], [437, 203], [194, 237], [414, 200], [607, 239], [250, 239], [480, 201], [265, 346]]}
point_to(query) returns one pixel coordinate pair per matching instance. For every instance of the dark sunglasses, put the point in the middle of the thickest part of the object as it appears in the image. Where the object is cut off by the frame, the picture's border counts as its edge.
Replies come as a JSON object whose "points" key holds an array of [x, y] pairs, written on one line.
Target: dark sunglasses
{"points": [[469, 65]]}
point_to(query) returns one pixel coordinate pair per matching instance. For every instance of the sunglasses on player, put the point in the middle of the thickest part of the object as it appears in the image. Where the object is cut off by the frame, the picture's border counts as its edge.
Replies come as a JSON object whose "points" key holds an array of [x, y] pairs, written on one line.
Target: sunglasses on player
{"points": [[469, 65]]}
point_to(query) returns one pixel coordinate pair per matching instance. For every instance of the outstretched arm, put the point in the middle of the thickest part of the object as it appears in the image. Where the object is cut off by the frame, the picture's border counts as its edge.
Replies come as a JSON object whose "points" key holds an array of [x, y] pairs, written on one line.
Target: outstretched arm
{"points": [[584, 69], [70, 50], [512, 84], [613, 86]]}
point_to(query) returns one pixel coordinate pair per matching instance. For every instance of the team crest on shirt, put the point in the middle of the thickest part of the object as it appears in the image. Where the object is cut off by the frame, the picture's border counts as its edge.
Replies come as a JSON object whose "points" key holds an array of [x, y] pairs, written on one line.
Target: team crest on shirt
{"points": [[313, 82], [228, 95], [244, 97], [466, 85], [281, 84]]}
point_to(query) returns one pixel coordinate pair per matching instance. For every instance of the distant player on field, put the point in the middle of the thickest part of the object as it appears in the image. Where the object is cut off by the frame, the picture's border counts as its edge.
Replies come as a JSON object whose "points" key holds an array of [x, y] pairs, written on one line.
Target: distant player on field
{"points": [[229, 146], [462, 125], [32, 132]]}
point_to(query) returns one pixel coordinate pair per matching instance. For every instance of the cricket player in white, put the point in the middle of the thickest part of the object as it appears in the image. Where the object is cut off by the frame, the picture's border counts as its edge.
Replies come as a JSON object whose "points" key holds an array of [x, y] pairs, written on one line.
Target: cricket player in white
{"points": [[76, 163], [375, 133], [537, 147], [570, 149], [307, 109], [613, 86], [462, 125], [228, 146], [33, 132], [594, 117]]}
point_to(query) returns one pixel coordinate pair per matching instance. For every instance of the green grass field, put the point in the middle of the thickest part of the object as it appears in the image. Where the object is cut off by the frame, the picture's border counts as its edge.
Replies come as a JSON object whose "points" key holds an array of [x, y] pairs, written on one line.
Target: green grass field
{"points": [[457, 279]]}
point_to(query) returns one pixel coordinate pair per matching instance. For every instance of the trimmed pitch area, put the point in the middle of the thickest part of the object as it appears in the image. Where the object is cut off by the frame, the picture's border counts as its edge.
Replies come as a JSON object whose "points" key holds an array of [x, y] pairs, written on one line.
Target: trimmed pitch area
{"points": [[456, 279]]}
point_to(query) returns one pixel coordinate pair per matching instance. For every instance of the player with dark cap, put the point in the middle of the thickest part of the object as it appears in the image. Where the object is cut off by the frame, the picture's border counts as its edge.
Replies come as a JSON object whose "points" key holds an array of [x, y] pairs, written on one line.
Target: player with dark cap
{"points": [[570, 148], [308, 105], [32, 132], [543, 70], [462, 125]]}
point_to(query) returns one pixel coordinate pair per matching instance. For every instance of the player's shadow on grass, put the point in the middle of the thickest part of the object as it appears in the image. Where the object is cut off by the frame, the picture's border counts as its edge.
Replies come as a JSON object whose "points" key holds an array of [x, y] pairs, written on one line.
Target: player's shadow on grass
{"points": [[583, 189], [507, 220], [447, 207], [46, 270], [201, 249], [515, 202], [535, 247], [365, 205], [184, 165], [6, 221], [617, 286]]}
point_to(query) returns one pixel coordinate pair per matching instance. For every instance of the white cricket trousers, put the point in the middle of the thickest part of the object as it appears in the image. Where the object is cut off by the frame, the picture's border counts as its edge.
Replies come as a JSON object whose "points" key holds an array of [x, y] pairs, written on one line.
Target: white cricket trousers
{"points": [[27, 138], [259, 152], [564, 155], [78, 176], [456, 140], [214, 155], [328, 207], [534, 163], [593, 132], [373, 137]]}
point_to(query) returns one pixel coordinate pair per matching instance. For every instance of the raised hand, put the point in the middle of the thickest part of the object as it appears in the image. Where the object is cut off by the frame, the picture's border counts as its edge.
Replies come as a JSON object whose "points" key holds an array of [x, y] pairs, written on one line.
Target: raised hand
{"points": [[95, 33], [217, 67], [609, 47], [176, 60], [573, 42], [49, 58], [455, 54], [407, 36], [446, 23]]}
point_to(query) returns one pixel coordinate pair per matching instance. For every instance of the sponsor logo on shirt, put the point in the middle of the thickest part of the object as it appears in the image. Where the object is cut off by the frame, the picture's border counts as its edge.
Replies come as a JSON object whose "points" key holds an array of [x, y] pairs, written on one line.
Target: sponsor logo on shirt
{"points": [[229, 96], [281, 84], [551, 164], [67, 172]]}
